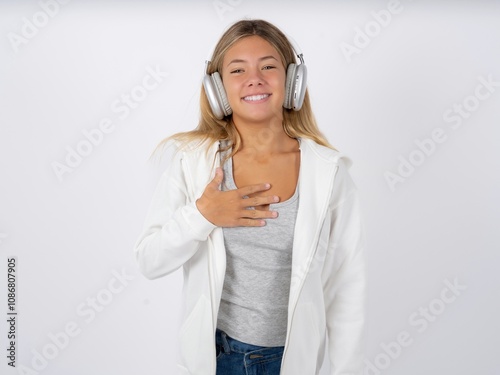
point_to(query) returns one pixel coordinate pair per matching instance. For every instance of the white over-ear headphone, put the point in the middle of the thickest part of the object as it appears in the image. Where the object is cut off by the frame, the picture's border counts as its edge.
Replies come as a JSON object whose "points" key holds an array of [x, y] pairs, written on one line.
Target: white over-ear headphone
{"points": [[295, 88]]}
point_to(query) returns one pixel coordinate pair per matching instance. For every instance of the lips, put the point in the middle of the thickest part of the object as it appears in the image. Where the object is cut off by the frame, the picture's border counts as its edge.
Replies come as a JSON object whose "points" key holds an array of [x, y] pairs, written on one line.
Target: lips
{"points": [[255, 98]]}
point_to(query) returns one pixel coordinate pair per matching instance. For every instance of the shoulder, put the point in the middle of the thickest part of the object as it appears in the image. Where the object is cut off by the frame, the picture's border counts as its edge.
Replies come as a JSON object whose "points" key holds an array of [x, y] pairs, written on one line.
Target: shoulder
{"points": [[173, 152], [325, 154], [182, 147], [321, 159]]}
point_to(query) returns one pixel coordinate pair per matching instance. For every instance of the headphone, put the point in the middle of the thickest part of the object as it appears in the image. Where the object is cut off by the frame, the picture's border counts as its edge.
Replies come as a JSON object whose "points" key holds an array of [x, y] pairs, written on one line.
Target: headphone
{"points": [[295, 89]]}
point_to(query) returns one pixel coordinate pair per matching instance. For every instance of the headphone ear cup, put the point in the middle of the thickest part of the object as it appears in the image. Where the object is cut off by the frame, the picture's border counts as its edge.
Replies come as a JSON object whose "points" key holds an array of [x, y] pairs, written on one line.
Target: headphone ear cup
{"points": [[295, 86], [290, 75], [222, 94], [216, 95]]}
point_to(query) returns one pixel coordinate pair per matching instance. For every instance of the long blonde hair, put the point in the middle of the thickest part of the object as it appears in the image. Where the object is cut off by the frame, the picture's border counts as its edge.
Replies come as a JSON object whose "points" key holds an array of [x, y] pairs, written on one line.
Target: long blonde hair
{"points": [[295, 123]]}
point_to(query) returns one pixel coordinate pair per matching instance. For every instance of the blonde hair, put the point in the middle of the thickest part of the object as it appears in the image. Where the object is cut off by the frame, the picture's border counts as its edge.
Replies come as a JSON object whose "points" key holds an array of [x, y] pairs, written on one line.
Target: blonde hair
{"points": [[295, 123]]}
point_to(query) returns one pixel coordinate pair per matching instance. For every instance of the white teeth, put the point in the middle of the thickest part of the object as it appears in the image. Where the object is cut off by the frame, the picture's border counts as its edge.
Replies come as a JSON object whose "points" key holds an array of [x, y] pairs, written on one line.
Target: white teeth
{"points": [[255, 97]]}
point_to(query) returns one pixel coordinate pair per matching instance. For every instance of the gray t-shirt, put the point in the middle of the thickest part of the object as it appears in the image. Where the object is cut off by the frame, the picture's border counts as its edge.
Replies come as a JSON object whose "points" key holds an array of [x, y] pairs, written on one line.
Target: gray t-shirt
{"points": [[254, 304]]}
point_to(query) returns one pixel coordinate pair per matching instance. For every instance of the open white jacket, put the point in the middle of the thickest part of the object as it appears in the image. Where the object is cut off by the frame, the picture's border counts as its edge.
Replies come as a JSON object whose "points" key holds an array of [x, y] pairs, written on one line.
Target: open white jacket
{"points": [[327, 290]]}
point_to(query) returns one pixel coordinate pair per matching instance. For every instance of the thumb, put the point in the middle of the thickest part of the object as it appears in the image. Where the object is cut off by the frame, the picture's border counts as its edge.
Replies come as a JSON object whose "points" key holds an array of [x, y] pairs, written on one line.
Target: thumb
{"points": [[219, 175]]}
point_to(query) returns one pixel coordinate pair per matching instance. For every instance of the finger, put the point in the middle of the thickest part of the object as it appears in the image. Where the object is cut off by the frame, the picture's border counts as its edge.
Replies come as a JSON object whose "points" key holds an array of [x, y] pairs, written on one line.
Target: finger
{"points": [[259, 201], [258, 214], [251, 223], [250, 189], [262, 201], [217, 180]]}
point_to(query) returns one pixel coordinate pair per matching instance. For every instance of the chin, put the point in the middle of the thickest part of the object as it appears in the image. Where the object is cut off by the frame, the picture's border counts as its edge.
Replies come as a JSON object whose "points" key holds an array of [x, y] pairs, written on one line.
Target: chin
{"points": [[261, 115]]}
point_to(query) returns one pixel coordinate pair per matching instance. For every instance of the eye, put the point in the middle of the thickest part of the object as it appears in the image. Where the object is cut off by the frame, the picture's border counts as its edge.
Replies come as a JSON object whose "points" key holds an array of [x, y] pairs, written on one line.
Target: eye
{"points": [[236, 71], [268, 67]]}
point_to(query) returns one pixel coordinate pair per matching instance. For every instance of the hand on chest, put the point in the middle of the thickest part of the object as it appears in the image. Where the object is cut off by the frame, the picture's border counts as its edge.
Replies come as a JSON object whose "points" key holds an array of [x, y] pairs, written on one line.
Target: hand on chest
{"points": [[280, 170]]}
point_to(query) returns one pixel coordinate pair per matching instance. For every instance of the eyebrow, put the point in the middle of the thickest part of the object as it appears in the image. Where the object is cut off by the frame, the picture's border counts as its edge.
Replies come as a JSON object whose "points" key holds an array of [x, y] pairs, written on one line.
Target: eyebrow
{"points": [[243, 61]]}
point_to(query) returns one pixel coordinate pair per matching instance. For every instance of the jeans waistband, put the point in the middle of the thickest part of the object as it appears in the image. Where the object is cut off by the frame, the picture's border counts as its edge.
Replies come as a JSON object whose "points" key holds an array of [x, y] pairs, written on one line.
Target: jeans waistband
{"points": [[232, 345]]}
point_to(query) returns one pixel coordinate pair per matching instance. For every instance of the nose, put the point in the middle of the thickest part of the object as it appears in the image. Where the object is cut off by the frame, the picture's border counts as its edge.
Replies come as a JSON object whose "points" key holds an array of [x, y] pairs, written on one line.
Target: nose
{"points": [[255, 77]]}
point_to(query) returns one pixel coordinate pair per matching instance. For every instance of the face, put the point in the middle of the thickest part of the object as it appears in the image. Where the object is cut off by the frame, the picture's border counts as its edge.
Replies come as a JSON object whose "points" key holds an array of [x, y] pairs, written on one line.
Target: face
{"points": [[254, 80]]}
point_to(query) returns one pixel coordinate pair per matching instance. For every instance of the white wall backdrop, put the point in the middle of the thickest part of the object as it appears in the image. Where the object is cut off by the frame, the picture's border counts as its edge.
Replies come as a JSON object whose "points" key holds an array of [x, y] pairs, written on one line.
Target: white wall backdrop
{"points": [[410, 90]]}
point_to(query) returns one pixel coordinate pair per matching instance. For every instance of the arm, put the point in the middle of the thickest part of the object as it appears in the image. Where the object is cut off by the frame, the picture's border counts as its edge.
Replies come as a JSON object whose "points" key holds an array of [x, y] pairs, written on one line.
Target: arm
{"points": [[344, 280], [174, 227]]}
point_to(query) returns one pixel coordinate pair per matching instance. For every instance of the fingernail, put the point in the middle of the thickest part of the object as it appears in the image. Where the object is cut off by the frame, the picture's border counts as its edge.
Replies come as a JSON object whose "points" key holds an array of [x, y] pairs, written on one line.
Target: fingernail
{"points": [[276, 198], [275, 213], [268, 186]]}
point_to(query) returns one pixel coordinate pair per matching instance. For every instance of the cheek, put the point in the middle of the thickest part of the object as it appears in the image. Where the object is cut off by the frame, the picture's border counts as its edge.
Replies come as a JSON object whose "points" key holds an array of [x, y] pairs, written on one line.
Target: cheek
{"points": [[279, 84], [230, 86], [232, 92], [280, 79]]}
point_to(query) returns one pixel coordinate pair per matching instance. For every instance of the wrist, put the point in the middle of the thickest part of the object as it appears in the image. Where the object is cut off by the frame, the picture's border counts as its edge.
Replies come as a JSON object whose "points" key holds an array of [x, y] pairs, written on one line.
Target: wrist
{"points": [[200, 205]]}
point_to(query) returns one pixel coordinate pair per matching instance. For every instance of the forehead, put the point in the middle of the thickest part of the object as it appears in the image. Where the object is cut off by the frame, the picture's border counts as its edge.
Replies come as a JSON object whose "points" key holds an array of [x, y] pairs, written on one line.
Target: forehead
{"points": [[250, 47]]}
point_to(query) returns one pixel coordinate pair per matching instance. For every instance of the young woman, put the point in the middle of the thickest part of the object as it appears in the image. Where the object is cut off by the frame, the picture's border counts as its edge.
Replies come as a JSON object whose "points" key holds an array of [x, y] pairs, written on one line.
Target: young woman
{"points": [[262, 215]]}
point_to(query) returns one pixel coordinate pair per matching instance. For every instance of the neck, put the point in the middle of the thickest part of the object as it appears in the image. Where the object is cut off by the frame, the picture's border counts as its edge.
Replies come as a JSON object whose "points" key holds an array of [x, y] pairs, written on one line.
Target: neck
{"points": [[264, 137]]}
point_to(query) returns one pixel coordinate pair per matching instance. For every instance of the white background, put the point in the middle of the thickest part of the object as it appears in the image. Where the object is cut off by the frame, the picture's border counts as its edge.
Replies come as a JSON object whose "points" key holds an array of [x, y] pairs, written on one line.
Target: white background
{"points": [[72, 235]]}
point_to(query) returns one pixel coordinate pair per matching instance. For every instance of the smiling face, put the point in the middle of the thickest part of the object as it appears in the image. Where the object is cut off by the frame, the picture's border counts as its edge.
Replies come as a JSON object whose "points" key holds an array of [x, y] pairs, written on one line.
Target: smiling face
{"points": [[254, 80]]}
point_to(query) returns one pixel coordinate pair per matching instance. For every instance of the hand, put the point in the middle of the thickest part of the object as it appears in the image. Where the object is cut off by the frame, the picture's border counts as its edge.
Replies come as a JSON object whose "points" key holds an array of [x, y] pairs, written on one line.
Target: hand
{"points": [[228, 208]]}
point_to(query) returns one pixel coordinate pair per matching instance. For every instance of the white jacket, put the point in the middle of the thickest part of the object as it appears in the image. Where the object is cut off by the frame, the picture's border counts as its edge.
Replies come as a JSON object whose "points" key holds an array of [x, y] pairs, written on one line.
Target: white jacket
{"points": [[327, 290]]}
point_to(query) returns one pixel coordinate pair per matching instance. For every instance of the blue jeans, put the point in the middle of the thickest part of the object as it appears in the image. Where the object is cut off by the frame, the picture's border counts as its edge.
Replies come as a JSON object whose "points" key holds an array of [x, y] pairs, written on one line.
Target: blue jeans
{"points": [[237, 358]]}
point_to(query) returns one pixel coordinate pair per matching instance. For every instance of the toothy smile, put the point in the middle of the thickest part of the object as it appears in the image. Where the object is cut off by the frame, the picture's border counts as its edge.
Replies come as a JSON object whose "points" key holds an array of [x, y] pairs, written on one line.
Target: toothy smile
{"points": [[254, 98]]}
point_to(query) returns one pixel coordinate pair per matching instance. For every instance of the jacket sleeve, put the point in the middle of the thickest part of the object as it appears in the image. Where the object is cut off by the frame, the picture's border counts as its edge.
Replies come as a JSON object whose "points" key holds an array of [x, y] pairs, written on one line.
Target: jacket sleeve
{"points": [[174, 227], [343, 278]]}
